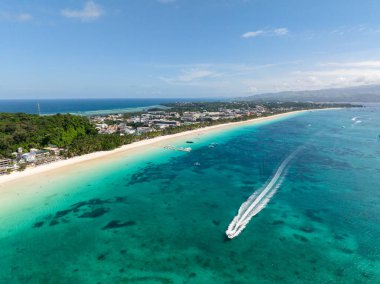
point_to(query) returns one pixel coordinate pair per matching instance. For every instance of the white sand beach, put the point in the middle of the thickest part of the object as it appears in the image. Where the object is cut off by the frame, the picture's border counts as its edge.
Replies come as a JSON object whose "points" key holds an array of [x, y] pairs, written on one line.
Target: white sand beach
{"points": [[8, 181]]}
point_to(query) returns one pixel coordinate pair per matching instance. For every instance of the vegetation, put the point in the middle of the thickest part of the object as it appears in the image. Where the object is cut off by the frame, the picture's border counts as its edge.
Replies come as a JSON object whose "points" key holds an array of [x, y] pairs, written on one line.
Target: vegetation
{"points": [[275, 106], [33, 131]]}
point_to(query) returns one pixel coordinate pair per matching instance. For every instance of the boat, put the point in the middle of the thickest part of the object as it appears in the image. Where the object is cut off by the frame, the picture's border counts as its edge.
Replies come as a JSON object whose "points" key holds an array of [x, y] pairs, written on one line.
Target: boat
{"points": [[183, 149], [212, 145], [186, 149], [197, 164], [189, 142]]}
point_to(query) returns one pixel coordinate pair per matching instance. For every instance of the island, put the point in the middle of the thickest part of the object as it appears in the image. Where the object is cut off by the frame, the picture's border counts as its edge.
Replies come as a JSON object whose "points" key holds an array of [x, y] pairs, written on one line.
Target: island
{"points": [[28, 140]]}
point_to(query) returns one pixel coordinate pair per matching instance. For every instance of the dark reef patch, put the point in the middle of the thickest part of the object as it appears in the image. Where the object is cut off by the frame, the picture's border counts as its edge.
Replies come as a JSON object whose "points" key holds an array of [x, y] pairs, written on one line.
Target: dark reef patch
{"points": [[114, 224], [53, 223], [38, 225], [339, 237], [84, 209], [95, 213], [347, 250], [101, 257], [307, 229], [300, 238], [62, 213], [312, 215], [216, 222]]}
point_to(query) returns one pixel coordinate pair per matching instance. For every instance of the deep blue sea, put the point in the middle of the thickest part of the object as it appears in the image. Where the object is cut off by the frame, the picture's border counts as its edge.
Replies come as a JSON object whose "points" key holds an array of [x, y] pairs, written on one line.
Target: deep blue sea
{"points": [[86, 106], [159, 216]]}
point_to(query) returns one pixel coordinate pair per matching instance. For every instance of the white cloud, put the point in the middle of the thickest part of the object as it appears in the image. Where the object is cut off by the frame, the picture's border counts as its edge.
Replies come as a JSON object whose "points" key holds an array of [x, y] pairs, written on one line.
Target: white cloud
{"points": [[22, 17], [281, 31], [327, 77], [239, 79], [90, 12], [274, 32], [359, 64], [252, 34], [354, 30]]}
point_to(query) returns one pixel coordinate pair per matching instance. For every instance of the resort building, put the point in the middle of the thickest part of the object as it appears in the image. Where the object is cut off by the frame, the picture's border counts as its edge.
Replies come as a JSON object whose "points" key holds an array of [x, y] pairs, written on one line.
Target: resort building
{"points": [[124, 129], [141, 130], [166, 123], [190, 116]]}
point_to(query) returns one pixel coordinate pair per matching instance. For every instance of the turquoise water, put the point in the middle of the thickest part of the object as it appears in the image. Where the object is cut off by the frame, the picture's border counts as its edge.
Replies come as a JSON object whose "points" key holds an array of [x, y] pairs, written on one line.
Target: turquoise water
{"points": [[87, 106], [158, 218]]}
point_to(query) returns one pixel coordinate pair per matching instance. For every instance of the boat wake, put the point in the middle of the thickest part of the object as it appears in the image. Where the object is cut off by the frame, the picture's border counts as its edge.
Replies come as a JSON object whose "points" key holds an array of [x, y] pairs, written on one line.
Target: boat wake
{"points": [[258, 200]]}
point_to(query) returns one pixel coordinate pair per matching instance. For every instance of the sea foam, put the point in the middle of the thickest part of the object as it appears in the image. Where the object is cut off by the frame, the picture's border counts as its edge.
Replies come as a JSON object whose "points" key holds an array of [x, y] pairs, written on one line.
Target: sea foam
{"points": [[258, 200]]}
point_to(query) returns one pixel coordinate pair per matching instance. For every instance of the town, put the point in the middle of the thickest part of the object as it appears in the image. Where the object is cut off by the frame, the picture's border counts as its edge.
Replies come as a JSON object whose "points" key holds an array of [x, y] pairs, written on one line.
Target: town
{"points": [[154, 120]]}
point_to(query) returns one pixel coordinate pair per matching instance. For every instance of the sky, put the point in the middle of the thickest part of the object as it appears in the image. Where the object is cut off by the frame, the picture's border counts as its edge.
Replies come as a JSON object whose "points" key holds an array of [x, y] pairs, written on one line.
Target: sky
{"points": [[185, 48]]}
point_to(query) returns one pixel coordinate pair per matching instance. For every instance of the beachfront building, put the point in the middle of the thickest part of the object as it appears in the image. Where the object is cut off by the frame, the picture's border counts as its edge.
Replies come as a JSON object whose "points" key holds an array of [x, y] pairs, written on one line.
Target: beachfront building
{"points": [[165, 123], [5, 164], [53, 149], [141, 130], [212, 115], [35, 155], [190, 116], [29, 157], [125, 129]]}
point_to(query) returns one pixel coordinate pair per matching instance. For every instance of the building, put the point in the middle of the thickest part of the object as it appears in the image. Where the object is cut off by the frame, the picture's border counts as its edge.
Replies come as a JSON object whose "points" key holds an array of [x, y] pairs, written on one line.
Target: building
{"points": [[101, 126], [5, 164], [35, 155], [166, 123], [190, 116], [141, 130], [54, 149], [125, 129], [29, 157]]}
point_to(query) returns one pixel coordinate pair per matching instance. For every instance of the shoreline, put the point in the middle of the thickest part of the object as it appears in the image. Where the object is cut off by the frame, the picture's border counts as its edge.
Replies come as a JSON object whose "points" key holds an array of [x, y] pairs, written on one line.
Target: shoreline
{"points": [[134, 147]]}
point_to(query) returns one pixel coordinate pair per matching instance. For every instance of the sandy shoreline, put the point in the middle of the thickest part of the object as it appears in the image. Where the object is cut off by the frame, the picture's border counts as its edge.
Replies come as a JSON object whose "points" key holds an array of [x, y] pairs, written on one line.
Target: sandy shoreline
{"points": [[132, 148]]}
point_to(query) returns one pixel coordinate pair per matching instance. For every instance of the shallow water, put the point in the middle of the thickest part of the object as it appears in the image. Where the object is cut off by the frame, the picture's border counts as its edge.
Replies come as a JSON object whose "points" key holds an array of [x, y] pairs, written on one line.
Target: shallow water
{"points": [[159, 218]]}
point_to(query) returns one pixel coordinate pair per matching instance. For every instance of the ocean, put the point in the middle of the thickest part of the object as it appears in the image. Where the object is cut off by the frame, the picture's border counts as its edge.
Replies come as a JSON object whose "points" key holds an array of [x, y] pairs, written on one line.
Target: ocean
{"points": [[87, 106], [160, 216]]}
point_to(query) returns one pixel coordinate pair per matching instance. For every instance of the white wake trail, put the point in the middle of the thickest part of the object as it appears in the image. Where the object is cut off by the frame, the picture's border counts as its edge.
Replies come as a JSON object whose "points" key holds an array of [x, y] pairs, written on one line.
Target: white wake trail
{"points": [[258, 200]]}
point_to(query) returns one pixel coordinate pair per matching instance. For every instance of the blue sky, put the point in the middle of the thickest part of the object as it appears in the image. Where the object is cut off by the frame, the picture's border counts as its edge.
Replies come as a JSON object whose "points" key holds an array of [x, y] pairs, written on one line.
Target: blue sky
{"points": [[185, 48]]}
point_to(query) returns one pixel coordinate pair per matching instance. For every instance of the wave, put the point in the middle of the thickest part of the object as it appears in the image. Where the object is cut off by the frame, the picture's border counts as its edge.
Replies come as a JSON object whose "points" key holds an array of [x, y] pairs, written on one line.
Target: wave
{"points": [[258, 200]]}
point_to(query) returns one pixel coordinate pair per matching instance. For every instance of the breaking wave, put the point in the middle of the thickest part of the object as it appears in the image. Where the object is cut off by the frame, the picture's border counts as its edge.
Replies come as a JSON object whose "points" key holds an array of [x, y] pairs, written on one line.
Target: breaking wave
{"points": [[258, 200]]}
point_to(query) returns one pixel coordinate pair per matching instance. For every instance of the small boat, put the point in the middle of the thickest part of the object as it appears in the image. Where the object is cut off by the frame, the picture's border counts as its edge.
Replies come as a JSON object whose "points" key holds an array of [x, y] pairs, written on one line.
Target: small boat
{"points": [[212, 145], [186, 149], [197, 164], [189, 142], [183, 149]]}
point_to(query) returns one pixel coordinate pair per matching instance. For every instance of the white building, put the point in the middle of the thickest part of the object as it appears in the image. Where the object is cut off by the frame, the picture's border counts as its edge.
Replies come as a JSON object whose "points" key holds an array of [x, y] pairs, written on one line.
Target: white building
{"points": [[141, 130]]}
